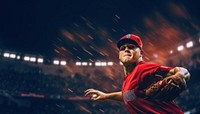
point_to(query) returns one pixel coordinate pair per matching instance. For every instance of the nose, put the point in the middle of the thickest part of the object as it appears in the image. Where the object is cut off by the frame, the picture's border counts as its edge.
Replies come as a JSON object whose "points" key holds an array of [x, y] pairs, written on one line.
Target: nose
{"points": [[126, 48]]}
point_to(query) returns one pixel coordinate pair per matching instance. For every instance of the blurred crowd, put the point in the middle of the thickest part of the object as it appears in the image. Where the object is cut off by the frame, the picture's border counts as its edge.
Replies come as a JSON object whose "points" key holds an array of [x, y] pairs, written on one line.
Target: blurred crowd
{"points": [[60, 94], [58, 91], [189, 99]]}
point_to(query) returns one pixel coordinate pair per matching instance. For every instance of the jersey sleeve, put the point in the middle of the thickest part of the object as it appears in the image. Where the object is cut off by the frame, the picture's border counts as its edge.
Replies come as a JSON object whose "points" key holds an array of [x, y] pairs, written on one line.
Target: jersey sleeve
{"points": [[151, 73], [155, 71], [162, 70]]}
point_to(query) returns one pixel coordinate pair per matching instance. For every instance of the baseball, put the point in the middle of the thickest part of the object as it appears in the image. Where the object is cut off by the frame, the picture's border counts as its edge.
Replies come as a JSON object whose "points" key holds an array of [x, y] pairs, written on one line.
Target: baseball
{"points": [[94, 95]]}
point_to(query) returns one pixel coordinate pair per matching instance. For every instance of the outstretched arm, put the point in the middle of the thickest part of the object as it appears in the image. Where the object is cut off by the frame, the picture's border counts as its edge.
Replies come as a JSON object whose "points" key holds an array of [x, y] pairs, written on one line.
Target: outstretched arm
{"points": [[99, 95]]}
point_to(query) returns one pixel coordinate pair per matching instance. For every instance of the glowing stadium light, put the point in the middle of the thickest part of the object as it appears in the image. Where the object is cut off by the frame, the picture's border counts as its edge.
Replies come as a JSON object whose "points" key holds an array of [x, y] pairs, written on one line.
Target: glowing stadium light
{"points": [[18, 57], [110, 63], [40, 60], [78, 63], [56, 62], [26, 58], [12, 55], [6, 54], [97, 63], [155, 55], [199, 39], [180, 48], [171, 52], [103, 64], [100, 64], [63, 63], [84, 63], [189, 44], [32, 59], [90, 64]]}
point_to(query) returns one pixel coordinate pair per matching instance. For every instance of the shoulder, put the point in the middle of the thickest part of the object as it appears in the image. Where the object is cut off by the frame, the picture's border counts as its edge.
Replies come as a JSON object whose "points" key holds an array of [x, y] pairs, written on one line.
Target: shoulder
{"points": [[148, 64], [153, 67]]}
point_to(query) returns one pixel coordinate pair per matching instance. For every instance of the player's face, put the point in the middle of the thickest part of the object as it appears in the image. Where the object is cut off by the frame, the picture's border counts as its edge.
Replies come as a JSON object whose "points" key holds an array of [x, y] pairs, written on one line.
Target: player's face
{"points": [[129, 53]]}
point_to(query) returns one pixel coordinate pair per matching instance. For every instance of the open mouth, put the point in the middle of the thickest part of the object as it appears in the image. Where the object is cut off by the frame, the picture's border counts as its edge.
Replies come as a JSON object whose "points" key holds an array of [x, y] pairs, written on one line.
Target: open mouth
{"points": [[127, 55]]}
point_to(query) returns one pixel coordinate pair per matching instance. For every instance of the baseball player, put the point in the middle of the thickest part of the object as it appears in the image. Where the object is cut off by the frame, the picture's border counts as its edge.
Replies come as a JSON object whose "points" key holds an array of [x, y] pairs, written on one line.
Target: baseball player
{"points": [[147, 88]]}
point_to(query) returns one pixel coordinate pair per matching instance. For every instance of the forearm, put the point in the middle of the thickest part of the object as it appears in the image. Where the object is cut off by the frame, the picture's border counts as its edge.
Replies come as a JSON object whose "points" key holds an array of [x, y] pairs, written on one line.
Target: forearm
{"points": [[115, 96]]}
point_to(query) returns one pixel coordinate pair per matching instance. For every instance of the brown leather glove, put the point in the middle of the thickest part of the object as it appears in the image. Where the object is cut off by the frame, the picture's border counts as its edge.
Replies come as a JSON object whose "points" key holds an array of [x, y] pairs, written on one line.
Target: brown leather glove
{"points": [[166, 89]]}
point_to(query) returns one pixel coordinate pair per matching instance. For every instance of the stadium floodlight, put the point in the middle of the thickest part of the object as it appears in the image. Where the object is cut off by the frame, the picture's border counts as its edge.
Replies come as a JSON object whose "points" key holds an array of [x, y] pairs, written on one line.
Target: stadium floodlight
{"points": [[84, 63], [78, 63], [40, 60], [103, 64], [189, 44], [199, 39], [90, 64], [63, 63], [100, 64], [26, 58], [155, 55], [110, 63], [12, 55], [6, 54], [56, 62], [18, 57], [97, 63], [171, 52], [32, 59], [180, 48]]}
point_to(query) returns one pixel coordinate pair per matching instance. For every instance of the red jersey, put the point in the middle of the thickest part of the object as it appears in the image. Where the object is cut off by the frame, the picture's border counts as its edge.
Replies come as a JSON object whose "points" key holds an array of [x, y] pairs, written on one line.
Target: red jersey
{"points": [[141, 77]]}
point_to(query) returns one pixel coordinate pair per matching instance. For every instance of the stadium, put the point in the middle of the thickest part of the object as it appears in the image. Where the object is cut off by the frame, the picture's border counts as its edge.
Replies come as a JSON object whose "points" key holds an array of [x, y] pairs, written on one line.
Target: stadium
{"points": [[51, 53]]}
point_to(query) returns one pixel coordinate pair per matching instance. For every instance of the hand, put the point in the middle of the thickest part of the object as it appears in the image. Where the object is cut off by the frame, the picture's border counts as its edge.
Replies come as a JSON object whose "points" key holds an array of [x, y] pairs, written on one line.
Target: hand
{"points": [[180, 72], [96, 94]]}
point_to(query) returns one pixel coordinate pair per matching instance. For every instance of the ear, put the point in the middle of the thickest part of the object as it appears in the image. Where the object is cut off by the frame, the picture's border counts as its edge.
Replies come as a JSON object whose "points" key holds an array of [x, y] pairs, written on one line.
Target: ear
{"points": [[141, 52]]}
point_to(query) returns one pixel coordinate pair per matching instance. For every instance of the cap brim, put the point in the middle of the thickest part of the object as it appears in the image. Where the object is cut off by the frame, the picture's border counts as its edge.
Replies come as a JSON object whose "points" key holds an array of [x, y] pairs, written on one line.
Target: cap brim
{"points": [[126, 41]]}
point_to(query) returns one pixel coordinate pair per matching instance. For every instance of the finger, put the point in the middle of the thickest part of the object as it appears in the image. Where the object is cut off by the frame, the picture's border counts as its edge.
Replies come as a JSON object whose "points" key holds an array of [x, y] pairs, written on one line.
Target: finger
{"points": [[91, 92], [88, 90], [171, 72]]}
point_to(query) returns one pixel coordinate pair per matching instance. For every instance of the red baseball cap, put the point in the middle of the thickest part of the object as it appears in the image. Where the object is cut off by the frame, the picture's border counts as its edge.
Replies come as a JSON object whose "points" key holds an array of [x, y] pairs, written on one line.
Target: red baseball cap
{"points": [[130, 38]]}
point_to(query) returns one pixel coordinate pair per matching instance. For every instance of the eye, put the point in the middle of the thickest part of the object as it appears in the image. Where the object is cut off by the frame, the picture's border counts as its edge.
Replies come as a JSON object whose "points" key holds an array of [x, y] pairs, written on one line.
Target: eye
{"points": [[131, 47], [122, 48]]}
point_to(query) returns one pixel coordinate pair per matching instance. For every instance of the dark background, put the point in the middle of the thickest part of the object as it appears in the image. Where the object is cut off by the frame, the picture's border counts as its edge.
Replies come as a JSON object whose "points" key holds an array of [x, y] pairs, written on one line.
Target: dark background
{"points": [[89, 29]]}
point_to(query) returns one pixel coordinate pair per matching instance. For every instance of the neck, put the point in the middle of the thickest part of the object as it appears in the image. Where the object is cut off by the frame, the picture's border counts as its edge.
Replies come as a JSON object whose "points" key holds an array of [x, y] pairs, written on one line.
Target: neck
{"points": [[129, 67]]}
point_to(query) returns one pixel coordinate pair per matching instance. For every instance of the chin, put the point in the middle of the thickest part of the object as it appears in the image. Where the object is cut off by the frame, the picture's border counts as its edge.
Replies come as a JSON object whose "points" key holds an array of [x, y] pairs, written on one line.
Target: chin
{"points": [[127, 59]]}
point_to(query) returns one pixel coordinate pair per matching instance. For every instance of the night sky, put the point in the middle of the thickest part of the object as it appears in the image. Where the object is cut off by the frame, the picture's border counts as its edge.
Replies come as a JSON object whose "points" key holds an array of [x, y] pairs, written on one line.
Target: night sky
{"points": [[89, 29]]}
